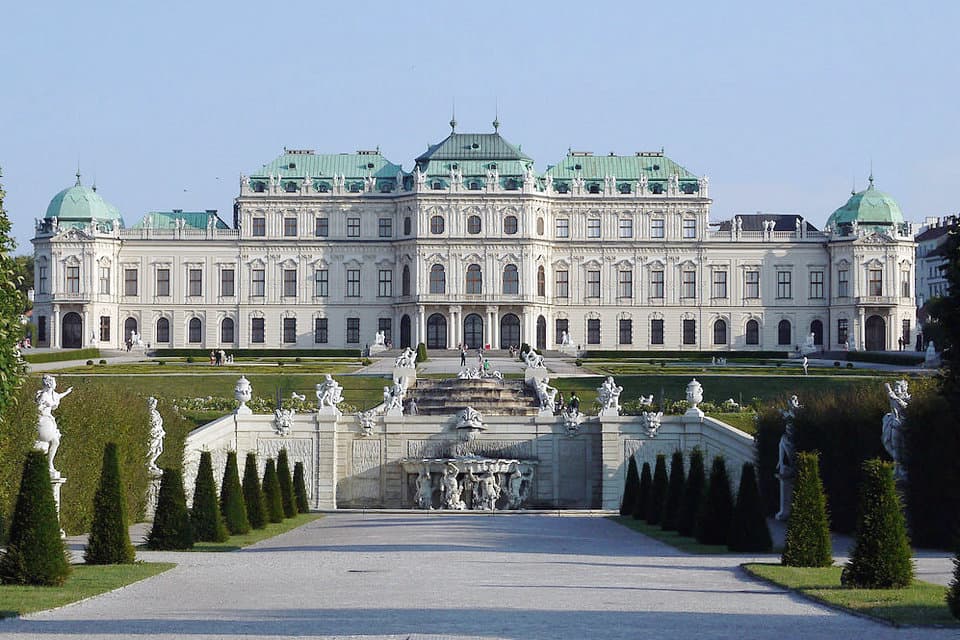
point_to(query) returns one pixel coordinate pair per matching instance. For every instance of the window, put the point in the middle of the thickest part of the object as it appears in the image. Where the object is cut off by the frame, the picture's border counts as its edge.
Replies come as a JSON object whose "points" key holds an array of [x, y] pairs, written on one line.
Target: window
{"points": [[751, 284], [593, 284], [385, 283], [562, 284], [656, 331], [226, 331], [510, 225], [753, 332], [129, 281], [226, 283], [256, 330], [407, 224], [474, 280], [438, 279], [353, 283], [474, 224], [42, 329], [104, 328], [625, 284], [720, 332], [561, 326], [163, 330], [656, 284], [593, 331], [905, 283], [843, 285], [784, 284], [257, 283], [875, 282], [436, 225], [689, 331], [689, 228], [688, 284], [563, 227], [539, 226], [405, 281], [385, 227], [656, 228], [511, 280], [541, 281], [719, 284], [320, 330], [43, 280], [289, 283], [783, 332], [353, 330], [386, 326], [843, 328], [593, 228], [626, 332], [105, 280], [194, 331], [194, 282], [322, 227], [259, 227], [289, 330], [353, 227], [321, 283], [290, 227], [904, 333], [816, 284], [626, 227]]}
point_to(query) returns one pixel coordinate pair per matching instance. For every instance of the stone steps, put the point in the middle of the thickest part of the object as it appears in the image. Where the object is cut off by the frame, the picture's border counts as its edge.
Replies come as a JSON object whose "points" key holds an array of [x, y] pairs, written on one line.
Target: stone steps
{"points": [[488, 396]]}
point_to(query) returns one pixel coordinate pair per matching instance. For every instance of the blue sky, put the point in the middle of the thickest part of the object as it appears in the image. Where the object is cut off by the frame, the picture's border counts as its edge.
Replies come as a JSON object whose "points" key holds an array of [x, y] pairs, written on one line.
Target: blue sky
{"points": [[783, 105]]}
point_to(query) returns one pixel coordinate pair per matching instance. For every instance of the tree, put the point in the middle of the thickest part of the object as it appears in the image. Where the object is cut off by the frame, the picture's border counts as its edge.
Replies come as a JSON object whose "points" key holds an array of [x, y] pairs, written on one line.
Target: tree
{"points": [[953, 592], [109, 540], [692, 494], [631, 487], [253, 494], [421, 353], [12, 305], [286, 485], [23, 268], [271, 492], [658, 491], [881, 556], [300, 488], [713, 520], [205, 515], [944, 314], [35, 552], [749, 531], [671, 508], [171, 523], [807, 541], [643, 496], [232, 506]]}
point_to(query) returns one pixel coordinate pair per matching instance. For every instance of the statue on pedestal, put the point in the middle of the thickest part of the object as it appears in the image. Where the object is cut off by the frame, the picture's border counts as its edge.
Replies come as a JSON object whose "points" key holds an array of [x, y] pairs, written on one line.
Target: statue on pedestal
{"points": [[608, 395], [451, 489], [892, 435], [533, 360], [243, 392], [408, 358], [424, 489], [694, 397], [156, 436], [329, 393], [786, 459], [48, 435]]}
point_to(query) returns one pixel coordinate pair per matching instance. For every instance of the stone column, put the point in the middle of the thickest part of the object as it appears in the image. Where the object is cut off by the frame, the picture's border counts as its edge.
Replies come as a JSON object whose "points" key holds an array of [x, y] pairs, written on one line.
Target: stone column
{"points": [[325, 458], [454, 333], [611, 457], [421, 326], [494, 328], [85, 333], [861, 330], [55, 327]]}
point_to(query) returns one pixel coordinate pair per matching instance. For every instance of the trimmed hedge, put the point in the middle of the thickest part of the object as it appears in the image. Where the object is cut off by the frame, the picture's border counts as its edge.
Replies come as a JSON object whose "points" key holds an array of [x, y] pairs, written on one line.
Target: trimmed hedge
{"points": [[253, 493], [671, 507], [61, 356], [903, 358], [205, 515], [286, 485], [109, 540], [300, 489], [692, 494], [631, 488], [643, 495], [422, 353], [682, 355], [749, 531], [204, 354], [658, 491], [271, 492], [232, 505], [807, 542], [171, 524], [716, 511]]}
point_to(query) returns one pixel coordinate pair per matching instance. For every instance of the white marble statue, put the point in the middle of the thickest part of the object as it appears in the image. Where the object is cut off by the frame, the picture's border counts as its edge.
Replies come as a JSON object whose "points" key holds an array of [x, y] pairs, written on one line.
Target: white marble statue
{"points": [[407, 358], [451, 489], [329, 393], [516, 495], [786, 458], [380, 339], [608, 395], [412, 408], [931, 359], [651, 422], [808, 344], [470, 373], [156, 436], [470, 419], [424, 489], [283, 421], [546, 395], [892, 435], [367, 420], [806, 365], [242, 393], [48, 435], [645, 401], [565, 340], [486, 491], [533, 360], [135, 339], [393, 398]]}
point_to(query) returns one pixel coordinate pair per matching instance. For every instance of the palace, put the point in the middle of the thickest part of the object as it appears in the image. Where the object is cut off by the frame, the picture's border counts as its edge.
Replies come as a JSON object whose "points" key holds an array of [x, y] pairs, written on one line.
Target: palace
{"points": [[473, 246]]}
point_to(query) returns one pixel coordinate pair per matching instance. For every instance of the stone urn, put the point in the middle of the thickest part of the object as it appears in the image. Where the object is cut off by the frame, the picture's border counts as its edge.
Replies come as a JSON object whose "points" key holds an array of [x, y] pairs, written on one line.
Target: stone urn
{"points": [[243, 392], [694, 397]]}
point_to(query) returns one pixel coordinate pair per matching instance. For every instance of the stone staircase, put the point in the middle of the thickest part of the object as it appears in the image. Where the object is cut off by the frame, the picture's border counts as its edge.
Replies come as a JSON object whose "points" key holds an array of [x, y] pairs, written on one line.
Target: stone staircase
{"points": [[489, 396]]}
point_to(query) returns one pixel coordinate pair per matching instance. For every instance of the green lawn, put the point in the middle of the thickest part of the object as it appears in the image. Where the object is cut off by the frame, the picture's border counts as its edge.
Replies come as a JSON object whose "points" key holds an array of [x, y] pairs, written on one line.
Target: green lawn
{"points": [[671, 538], [272, 529], [921, 603], [85, 581], [174, 367]]}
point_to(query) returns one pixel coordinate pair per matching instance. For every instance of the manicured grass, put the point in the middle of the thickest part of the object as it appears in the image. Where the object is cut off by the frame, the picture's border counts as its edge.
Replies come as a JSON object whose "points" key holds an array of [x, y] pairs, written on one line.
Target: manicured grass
{"points": [[233, 543], [745, 420], [183, 368], [671, 538], [921, 603], [84, 582], [61, 356]]}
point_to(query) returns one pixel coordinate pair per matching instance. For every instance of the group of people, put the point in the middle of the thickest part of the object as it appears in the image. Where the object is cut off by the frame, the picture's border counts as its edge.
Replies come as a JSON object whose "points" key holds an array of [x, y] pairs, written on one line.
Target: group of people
{"points": [[219, 357]]}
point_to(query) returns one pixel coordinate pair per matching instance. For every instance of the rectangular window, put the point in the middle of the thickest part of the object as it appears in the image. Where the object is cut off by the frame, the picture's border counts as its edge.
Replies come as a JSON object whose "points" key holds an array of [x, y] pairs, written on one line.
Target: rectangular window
{"points": [[195, 282], [688, 284], [73, 280], [563, 227], [656, 228], [784, 284], [320, 330], [163, 282], [563, 284], [689, 332], [353, 227], [656, 284], [625, 284], [105, 280], [626, 227], [289, 283], [290, 227], [593, 331], [43, 280], [905, 333], [751, 284], [258, 282], [842, 330], [593, 228], [816, 285], [843, 284], [322, 229], [227, 283], [42, 329], [385, 325], [129, 282], [719, 284], [353, 283], [321, 278], [259, 227], [562, 326], [626, 331], [593, 284], [256, 330], [289, 330], [689, 228], [875, 282], [385, 283], [104, 328], [353, 330], [385, 227], [656, 331], [905, 284]]}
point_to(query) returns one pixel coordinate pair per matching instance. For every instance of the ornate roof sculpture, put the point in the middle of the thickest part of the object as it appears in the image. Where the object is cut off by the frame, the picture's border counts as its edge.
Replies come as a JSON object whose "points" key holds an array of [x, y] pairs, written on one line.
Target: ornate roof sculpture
{"points": [[870, 207], [79, 206]]}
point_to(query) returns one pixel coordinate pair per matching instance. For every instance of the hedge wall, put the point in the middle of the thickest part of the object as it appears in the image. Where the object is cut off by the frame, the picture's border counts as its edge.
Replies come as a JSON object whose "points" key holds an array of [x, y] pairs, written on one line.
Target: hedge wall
{"points": [[683, 355], [60, 356], [902, 358], [260, 353]]}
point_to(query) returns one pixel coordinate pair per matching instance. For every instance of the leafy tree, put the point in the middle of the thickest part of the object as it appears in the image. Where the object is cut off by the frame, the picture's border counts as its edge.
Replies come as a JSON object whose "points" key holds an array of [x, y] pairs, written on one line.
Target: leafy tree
{"points": [[171, 523], [253, 494], [205, 515], [271, 492], [631, 487], [716, 511], [953, 592], [807, 541], [658, 491], [300, 488], [35, 552], [23, 268], [748, 527], [232, 506], [881, 556], [671, 507], [109, 540], [643, 496], [286, 485], [692, 494], [12, 305]]}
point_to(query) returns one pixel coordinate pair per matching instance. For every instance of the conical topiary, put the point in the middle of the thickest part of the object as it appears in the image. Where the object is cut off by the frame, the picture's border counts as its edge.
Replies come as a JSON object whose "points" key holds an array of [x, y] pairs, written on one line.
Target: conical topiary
{"points": [[271, 492], [713, 519], [671, 508], [881, 556], [253, 494], [286, 485], [232, 506], [658, 491], [300, 488], [643, 495], [953, 592], [631, 487], [205, 515], [109, 540], [692, 494], [748, 527], [171, 524], [807, 542], [35, 552]]}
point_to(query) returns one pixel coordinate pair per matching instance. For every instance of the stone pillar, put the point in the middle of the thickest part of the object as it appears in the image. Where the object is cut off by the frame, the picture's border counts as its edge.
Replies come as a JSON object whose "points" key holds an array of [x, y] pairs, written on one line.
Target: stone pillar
{"points": [[454, 333], [611, 457], [57, 484], [85, 333], [55, 327], [861, 330], [494, 327], [153, 492], [421, 326], [325, 456]]}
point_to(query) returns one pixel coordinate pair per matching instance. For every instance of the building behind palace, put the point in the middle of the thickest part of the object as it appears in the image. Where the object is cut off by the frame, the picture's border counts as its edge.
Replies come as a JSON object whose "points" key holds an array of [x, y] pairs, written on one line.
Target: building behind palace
{"points": [[472, 246]]}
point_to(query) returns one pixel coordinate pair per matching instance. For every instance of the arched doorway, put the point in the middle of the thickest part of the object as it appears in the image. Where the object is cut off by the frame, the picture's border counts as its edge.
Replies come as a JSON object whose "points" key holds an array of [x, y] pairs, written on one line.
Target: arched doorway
{"points": [[71, 333], [405, 331], [129, 328], [816, 328], [509, 331], [875, 335], [436, 332], [473, 331], [541, 332], [783, 332]]}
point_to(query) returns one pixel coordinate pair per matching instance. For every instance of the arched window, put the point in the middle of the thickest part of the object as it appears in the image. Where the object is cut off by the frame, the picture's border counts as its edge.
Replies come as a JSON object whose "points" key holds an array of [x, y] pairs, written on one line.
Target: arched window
{"points": [[436, 224], [474, 279], [510, 225], [783, 332], [436, 332], [405, 281], [474, 185], [195, 333], [816, 328], [406, 226], [623, 187], [539, 226], [656, 187], [720, 332], [541, 281], [594, 188], [129, 328], [438, 279], [163, 330], [511, 279], [473, 331], [226, 331], [509, 331], [474, 224], [753, 332]]}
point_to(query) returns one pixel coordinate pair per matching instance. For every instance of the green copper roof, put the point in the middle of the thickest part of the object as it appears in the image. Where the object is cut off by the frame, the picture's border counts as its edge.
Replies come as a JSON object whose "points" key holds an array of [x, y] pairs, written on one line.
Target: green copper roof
{"points": [[299, 164], [655, 166], [81, 204], [480, 147], [167, 220], [868, 207]]}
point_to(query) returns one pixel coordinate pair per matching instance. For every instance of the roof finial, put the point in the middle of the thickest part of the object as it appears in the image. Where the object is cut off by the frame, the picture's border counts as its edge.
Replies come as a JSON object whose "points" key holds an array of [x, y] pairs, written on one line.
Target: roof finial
{"points": [[496, 116], [453, 117], [78, 173], [870, 179]]}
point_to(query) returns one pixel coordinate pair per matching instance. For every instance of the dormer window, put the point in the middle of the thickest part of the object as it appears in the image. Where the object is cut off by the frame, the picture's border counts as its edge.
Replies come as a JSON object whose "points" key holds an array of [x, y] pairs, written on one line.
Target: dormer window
{"points": [[356, 187], [323, 187], [562, 187], [436, 185], [258, 187], [624, 187], [656, 188], [290, 187], [474, 185], [594, 188], [511, 185], [688, 188]]}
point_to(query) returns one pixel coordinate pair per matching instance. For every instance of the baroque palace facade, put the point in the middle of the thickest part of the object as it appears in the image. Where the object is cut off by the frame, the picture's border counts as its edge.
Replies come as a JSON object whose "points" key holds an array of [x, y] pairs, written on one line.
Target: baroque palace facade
{"points": [[472, 246]]}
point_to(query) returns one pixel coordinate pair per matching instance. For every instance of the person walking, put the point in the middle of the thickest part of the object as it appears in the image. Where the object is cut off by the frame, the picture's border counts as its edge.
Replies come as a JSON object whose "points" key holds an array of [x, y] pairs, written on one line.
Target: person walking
{"points": [[463, 357]]}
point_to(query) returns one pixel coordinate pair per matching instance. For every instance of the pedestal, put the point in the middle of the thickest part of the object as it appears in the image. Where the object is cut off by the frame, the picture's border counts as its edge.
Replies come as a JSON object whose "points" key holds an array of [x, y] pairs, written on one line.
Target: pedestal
{"points": [[786, 497], [405, 376], [329, 412], [57, 484], [532, 375], [612, 412], [153, 492], [377, 348]]}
